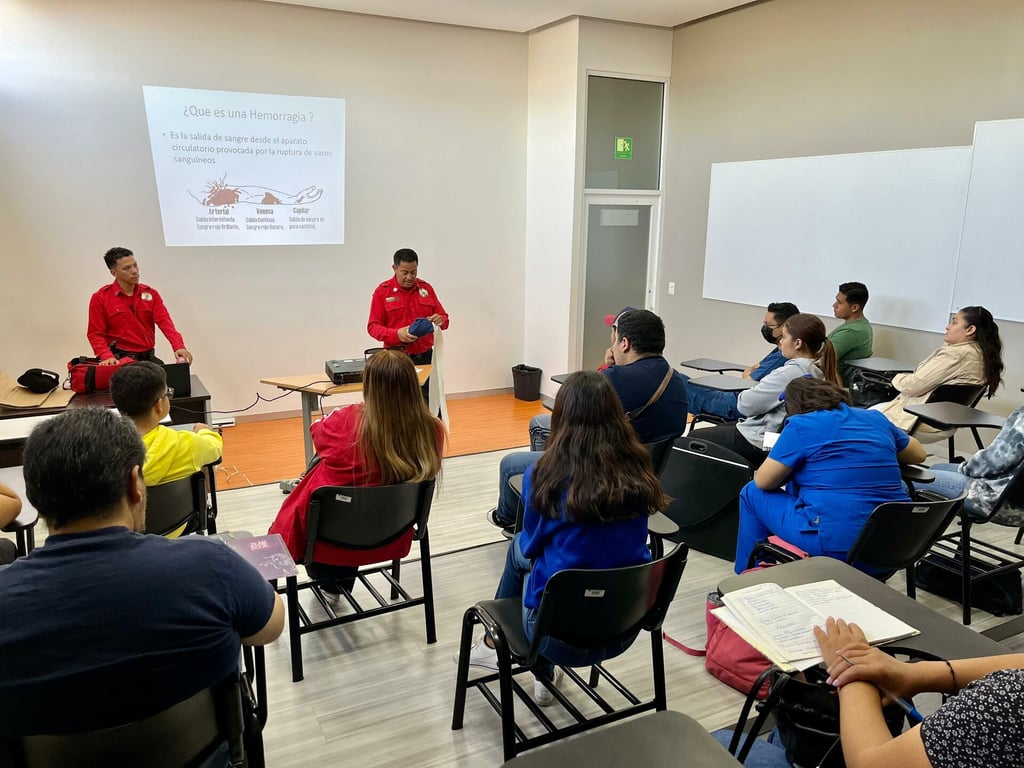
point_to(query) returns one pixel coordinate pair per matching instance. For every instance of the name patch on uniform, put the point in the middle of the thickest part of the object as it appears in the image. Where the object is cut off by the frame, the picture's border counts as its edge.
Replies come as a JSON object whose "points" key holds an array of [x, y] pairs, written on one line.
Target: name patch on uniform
{"points": [[423, 292], [146, 296], [390, 298]]}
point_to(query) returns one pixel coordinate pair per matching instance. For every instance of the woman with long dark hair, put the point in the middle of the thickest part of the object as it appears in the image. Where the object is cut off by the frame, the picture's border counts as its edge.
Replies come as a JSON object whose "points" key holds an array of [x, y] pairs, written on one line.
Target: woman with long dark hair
{"points": [[388, 438], [972, 354], [837, 464], [808, 352], [587, 500]]}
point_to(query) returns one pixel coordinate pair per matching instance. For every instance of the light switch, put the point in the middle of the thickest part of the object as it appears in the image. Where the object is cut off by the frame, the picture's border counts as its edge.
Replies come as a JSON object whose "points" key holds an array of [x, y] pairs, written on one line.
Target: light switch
{"points": [[671, 289]]}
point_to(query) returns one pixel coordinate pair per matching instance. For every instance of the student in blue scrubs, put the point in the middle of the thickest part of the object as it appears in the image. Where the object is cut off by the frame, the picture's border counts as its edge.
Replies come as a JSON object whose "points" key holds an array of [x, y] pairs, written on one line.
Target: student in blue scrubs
{"points": [[837, 464]]}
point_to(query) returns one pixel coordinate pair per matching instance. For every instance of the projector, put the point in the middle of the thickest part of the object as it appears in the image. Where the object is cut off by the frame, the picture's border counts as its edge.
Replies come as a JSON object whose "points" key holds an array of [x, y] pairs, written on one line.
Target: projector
{"points": [[345, 371]]}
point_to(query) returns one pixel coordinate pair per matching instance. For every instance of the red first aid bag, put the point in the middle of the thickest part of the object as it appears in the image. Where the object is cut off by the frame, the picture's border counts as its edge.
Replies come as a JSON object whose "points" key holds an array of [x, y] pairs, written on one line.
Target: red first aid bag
{"points": [[85, 374]]}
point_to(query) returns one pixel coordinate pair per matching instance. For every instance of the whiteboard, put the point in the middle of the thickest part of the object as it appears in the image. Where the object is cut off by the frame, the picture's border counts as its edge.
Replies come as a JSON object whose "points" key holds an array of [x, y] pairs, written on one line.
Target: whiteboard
{"points": [[793, 229], [991, 267]]}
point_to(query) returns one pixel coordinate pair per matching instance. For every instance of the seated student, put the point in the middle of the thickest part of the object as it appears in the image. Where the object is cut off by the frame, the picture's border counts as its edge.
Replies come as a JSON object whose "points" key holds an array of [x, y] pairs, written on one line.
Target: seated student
{"points": [[980, 726], [389, 438], [837, 464], [808, 353], [637, 371], [723, 404], [141, 393], [10, 508], [986, 474], [587, 501], [972, 354], [103, 626], [853, 339]]}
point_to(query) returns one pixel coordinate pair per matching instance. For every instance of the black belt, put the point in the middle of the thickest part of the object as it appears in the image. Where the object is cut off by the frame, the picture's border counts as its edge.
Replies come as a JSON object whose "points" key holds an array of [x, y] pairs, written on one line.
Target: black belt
{"points": [[147, 356]]}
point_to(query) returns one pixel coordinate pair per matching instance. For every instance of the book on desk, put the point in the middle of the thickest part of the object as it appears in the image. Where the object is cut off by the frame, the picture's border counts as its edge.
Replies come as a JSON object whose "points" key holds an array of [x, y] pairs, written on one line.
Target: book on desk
{"points": [[779, 621]]}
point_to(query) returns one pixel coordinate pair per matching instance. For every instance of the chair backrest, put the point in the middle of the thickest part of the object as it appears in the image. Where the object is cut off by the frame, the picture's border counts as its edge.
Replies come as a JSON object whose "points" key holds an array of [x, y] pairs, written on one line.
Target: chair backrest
{"points": [[172, 504], [961, 394], [179, 736], [899, 533], [659, 453], [703, 479], [367, 517], [596, 608]]}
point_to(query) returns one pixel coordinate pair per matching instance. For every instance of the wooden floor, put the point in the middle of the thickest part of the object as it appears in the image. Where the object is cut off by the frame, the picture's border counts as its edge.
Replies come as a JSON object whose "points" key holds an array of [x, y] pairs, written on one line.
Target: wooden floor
{"points": [[268, 451], [376, 695]]}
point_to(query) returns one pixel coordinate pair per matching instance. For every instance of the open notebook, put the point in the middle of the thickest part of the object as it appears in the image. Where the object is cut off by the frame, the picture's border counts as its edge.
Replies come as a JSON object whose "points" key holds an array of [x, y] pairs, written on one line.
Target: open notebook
{"points": [[779, 621]]}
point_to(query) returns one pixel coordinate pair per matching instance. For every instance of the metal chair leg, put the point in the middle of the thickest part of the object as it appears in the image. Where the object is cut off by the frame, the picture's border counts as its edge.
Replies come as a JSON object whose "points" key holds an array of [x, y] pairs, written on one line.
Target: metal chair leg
{"points": [[428, 590], [294, 636], [462, 668]]}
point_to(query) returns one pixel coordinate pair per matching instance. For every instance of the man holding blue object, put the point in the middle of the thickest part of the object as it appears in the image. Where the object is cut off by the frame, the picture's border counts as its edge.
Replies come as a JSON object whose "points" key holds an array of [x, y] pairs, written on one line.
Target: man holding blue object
{"points": [[405, 309]]}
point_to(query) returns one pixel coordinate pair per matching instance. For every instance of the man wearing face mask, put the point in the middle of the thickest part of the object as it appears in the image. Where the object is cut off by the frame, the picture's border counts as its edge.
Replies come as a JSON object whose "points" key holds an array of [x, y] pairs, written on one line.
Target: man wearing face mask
{"points": [[723, 404]]}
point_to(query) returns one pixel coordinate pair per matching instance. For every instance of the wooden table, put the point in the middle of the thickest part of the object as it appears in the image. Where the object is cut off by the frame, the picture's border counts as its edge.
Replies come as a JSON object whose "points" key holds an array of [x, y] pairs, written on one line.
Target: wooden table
{"points": [[710, 364], [724, 383], [940, 636], [315, 386], [17, 423]]}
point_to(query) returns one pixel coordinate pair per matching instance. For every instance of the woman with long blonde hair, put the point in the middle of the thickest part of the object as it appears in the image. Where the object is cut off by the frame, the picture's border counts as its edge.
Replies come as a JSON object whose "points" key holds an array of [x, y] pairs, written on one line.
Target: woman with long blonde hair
{"points": [[388, 438]]}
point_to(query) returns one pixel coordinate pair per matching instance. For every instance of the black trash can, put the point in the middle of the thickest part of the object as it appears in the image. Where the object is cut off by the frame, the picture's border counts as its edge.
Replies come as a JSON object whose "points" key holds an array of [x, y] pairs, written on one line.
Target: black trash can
{"points": [[526, 382]]}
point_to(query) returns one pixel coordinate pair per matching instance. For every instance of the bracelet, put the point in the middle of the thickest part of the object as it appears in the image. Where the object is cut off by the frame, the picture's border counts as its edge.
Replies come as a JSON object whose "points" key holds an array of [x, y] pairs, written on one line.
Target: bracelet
{"points": [[952, 674]]}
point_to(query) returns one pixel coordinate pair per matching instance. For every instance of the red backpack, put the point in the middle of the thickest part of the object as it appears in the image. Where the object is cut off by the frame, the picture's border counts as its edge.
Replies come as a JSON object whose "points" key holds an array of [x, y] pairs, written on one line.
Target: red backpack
{"points": [[85, 374]]}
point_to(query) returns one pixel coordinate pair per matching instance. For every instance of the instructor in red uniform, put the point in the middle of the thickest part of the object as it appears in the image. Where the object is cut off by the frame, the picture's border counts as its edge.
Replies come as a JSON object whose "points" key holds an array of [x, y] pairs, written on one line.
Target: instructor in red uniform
{"points": [[123, 315], [397, 302]]}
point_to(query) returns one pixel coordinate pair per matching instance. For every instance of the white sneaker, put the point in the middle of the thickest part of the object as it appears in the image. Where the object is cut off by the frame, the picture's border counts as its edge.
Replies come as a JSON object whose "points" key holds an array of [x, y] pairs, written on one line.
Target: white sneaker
{"points": [[483, 656], [541, 694]]}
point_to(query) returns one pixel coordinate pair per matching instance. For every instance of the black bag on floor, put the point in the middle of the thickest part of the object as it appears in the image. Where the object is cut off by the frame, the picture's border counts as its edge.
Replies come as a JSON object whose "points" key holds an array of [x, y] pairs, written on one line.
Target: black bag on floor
{"points": [[1000, 595], [807, 718]]}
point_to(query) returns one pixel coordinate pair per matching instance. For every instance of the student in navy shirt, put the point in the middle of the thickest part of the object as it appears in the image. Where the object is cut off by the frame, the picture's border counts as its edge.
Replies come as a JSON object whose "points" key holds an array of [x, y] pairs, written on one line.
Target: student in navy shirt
{"points": [[587, 501], [723, 404], [837, 464]]}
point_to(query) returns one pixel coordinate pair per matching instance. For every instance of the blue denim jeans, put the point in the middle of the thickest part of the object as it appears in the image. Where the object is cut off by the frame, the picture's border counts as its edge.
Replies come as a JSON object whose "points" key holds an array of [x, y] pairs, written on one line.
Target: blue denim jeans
{"points": [[948, 481], [552, 651], [512, 464], [765, 753], [713, 401]]}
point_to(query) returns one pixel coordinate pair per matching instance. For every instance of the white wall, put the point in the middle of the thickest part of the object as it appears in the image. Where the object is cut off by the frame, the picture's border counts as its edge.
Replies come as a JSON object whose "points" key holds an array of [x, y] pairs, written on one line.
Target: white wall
{"points": [[560, 58], [436, 160], [792, 78]]}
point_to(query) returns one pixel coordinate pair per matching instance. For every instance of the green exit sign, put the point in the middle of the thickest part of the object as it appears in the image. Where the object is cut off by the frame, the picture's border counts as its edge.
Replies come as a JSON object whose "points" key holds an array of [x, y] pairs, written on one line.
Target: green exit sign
{"points": [[623, 148]]}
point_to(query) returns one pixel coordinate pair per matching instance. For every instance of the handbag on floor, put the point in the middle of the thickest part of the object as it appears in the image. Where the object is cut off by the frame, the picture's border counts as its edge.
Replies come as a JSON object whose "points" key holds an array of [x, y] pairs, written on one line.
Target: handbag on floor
{"points": [[1001, 595], [727, 656], [806, 709]]}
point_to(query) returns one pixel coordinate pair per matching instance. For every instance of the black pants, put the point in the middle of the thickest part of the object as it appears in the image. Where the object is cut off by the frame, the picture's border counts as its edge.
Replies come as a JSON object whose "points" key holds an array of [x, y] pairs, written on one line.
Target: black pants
{"points": [[338, 576], [148, 356], [728, 436]]}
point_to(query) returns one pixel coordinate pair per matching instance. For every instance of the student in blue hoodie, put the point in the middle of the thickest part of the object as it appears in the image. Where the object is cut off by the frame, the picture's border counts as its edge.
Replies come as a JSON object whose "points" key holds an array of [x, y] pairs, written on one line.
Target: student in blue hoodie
{"points": [[587, 500]]}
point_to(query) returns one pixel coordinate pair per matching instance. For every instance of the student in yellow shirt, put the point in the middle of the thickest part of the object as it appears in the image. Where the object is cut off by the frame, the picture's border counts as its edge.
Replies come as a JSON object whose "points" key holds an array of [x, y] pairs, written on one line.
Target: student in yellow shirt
{"points": [[141, 393]]}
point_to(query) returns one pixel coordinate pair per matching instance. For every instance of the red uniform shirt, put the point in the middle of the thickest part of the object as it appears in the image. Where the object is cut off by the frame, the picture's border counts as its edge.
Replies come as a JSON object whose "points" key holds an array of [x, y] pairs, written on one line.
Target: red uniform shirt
{"points": [[393, 307], [129, 321], [336, 439]]}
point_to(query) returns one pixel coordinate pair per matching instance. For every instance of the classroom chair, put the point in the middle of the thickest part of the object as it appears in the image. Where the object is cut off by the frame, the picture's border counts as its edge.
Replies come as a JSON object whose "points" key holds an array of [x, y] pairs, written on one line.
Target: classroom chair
{"points": [[586, 609], [363, 519], [961, 394], [896, 536], [975, 560], [179, 504], [180, 736]]}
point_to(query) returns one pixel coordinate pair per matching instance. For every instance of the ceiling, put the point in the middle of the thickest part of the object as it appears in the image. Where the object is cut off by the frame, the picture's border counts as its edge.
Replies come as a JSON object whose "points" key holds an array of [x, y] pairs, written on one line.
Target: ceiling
{"points": [[526, 15]]}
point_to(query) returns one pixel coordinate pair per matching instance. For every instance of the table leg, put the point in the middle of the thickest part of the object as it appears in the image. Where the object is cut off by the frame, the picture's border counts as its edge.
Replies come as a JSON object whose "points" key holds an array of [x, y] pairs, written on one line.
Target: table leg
{"points": [[309, 402]]}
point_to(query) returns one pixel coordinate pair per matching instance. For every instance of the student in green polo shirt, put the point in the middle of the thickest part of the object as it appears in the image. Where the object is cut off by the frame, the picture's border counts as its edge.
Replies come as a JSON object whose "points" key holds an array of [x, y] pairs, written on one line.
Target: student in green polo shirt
{"points": [[852, 339]]}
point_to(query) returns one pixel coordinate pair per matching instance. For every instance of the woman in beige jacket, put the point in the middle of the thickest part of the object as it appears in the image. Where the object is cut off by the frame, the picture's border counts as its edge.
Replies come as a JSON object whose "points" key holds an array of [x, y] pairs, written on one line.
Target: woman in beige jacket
{"points": [[972, 354]]}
